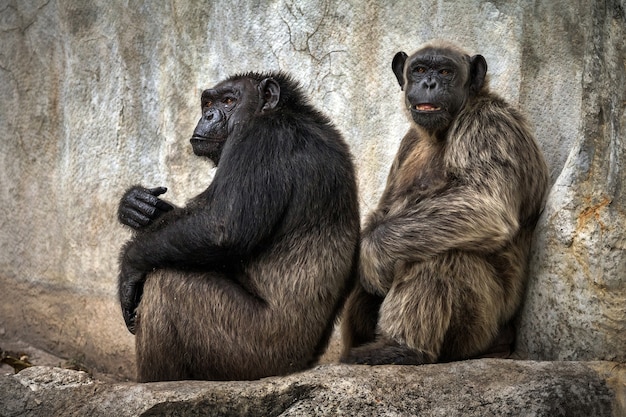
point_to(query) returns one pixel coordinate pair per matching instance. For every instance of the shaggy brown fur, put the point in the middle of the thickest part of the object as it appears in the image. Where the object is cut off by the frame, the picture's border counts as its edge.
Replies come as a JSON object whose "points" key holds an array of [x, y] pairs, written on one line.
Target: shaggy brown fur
{"points": [[443, 256]]}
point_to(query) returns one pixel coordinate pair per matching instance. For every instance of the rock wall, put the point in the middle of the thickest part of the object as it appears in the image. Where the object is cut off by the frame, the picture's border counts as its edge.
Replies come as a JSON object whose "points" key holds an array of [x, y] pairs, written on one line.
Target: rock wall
{"points": [[576, 303], [98, 95]]}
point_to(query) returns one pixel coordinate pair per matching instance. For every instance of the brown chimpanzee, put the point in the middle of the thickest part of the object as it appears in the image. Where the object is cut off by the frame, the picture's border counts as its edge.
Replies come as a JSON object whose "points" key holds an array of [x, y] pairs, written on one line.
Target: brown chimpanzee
{"points": [[444, 255]]}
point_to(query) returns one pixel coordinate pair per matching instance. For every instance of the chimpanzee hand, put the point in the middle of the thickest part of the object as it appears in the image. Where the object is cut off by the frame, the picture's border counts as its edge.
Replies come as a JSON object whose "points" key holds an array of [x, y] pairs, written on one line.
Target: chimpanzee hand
{"points": [[140, 206], [130, 289]]}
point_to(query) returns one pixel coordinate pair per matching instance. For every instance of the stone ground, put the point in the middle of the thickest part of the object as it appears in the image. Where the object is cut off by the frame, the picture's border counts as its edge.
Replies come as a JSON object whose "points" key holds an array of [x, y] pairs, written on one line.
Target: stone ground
{"points": [[38, 357], [485, 387]]}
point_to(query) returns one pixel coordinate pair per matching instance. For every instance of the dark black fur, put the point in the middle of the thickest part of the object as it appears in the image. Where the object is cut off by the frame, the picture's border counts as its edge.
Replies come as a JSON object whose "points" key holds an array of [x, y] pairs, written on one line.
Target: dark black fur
{"points": [[250, 274]]}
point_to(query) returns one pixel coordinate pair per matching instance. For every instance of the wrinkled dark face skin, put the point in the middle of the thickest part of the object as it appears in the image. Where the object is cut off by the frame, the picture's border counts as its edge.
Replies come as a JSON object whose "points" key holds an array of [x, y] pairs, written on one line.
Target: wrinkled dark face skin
{"points": [[224, 107], [437, 84]]}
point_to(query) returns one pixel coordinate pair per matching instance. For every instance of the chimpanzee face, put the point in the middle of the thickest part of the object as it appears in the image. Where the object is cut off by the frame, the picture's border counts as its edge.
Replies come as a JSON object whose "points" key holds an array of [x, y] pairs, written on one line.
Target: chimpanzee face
{"points": [[437, 84], [226, 107]]}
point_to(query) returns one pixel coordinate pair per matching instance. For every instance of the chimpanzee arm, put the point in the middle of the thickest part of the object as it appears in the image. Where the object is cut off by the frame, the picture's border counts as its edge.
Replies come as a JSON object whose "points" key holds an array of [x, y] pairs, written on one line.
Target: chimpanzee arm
{"points": [[228, 227], [459, 218], [243, 208]]}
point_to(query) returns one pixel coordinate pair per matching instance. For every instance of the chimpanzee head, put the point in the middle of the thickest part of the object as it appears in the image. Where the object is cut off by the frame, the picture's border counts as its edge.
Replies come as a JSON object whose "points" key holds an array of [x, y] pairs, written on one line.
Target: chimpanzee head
{"points": [[228, 107], [438, 80]]}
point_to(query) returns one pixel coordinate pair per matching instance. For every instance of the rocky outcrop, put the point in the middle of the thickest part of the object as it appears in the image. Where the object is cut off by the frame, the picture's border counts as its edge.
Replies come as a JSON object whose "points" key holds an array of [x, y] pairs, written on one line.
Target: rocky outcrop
{"points": [[486, 387], [576, 303]]}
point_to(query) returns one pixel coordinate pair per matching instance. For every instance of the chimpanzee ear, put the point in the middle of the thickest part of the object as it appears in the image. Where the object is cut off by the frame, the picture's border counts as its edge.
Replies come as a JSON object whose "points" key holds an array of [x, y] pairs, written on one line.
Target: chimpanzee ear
{"points": [[269, 92], [397, 65], [478, 72]]}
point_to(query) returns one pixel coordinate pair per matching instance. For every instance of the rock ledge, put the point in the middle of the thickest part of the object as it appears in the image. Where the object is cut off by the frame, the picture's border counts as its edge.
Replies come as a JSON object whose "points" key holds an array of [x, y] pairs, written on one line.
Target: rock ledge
{"points": [[486, 387]]}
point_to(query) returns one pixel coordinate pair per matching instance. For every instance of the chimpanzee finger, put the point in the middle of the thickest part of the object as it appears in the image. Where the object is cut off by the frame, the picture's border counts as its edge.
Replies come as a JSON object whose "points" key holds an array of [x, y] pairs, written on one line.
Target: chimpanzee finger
{"points": [[164, 205], [140, 212], [130, 318], [126, 293], [149, 197], [157, 191], [157, 202], [132, 223], [130, 292], [129, 216]]}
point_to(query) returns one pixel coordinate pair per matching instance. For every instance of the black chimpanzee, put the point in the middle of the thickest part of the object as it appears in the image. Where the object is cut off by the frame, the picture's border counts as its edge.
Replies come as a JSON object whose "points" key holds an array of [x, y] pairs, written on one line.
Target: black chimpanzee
{"points": [[246, 280]]}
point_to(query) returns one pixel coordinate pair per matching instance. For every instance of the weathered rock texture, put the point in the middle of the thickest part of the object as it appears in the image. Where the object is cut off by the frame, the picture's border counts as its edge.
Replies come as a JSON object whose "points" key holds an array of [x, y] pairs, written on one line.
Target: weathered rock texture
{"points": [[576, 304], [98, 95], [472, 388]]}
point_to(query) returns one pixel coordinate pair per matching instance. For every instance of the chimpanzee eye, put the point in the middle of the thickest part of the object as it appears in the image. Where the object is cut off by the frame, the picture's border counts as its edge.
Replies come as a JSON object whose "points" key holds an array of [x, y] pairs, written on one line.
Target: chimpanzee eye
{"points": [[445, 72], [228, 101], [419, 69], [207, 103]]}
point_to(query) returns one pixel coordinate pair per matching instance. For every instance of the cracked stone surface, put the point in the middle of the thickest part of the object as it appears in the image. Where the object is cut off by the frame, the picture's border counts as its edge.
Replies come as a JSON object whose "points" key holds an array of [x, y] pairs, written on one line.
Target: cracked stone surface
{"points": [[486, 387]]}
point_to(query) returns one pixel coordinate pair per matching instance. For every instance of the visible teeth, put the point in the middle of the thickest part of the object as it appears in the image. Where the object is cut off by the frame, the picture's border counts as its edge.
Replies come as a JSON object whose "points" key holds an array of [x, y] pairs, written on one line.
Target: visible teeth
{"points": [[426, 107]]}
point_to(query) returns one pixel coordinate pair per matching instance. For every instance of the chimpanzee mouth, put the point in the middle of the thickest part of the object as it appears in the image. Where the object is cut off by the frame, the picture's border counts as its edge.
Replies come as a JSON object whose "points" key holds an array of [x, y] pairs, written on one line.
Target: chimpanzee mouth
{"points": [[426, 107], [200, 139]]}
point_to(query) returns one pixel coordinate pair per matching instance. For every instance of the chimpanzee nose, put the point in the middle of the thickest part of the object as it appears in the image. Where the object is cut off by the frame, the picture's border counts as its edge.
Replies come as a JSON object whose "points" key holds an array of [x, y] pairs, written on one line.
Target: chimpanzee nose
{"points": [[209, 114], [429, 83]]}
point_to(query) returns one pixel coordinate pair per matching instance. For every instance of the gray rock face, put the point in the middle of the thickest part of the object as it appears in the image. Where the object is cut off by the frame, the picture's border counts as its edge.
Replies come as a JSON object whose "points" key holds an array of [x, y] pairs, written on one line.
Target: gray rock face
{"points": [[473, 388], [576, 303]]}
